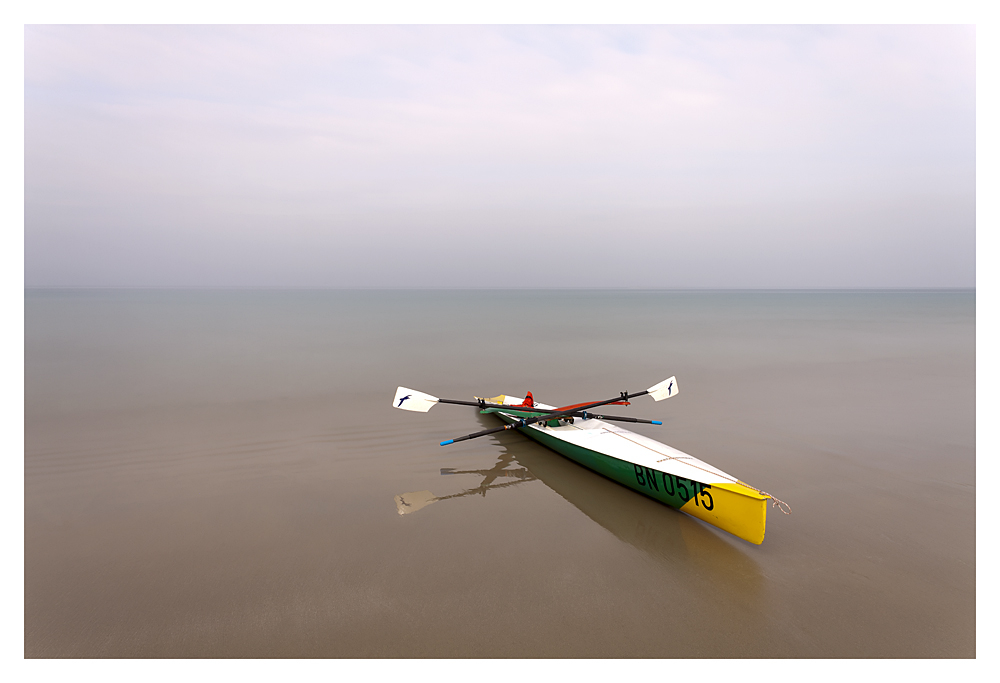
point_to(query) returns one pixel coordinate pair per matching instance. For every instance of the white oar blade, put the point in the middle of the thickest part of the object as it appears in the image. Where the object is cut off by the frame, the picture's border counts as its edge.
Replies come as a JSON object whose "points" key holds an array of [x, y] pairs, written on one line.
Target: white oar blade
{"points": [[411, 502], [665, 389], [408, 399]]}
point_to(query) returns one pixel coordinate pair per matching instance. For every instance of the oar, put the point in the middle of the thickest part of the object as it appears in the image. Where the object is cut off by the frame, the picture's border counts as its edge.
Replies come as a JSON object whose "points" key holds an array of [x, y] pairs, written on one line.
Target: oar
{"points": [[411, 399], [665, 389], [521, 410], [418, 401]]}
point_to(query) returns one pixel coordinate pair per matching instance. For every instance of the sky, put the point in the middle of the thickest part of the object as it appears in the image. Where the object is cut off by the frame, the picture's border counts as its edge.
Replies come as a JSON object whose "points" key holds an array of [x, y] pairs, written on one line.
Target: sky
{"points": [[500, 156]]}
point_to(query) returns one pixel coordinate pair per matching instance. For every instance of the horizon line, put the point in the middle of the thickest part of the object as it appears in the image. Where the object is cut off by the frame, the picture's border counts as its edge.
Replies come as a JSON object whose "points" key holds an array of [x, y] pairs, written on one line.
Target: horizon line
{"points": [[498, 289]]}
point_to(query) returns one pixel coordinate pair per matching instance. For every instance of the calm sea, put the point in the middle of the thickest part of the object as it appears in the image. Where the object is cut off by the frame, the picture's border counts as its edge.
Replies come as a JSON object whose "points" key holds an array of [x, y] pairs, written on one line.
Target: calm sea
{"points": [[214, 474]]}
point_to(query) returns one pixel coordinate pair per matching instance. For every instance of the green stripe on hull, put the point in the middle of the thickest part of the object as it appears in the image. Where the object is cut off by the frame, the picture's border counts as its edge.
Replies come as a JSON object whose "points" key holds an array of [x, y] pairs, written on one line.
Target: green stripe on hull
{"points": [[665, 488], [735, 507]]}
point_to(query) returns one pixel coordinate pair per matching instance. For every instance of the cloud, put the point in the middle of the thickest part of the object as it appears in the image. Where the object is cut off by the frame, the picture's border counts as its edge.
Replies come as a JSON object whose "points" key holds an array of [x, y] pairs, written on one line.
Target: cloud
{"points": [[385, 156]]}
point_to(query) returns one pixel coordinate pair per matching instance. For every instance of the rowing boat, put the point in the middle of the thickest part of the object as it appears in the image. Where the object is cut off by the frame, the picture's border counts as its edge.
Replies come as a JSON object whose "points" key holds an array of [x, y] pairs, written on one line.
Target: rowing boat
{"points": [[652, 468]]}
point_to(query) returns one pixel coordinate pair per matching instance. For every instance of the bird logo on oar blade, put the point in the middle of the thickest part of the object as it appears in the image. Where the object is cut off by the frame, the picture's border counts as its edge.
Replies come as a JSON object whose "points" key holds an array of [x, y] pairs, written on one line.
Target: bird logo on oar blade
{"points": [[410, 399], [664, 389]]}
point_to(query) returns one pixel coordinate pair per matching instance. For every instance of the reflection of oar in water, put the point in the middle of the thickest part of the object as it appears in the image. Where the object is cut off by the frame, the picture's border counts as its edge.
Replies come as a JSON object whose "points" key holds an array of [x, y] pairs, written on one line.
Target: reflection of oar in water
{"points": [[490, 475], [416, 500]]}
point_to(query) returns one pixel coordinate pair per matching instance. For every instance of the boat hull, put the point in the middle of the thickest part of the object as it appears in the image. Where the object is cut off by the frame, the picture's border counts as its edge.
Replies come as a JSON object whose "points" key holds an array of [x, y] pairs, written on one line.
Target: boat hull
{"points": [[728, 505]]}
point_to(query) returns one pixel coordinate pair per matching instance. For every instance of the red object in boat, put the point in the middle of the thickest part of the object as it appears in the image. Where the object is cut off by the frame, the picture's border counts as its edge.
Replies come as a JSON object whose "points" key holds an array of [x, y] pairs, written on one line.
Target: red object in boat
{"points": [[579, 405]]}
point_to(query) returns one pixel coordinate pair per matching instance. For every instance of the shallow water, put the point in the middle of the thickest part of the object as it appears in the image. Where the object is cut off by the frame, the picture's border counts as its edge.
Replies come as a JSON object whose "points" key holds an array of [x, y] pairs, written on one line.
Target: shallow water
{"points": [[213, 474]]}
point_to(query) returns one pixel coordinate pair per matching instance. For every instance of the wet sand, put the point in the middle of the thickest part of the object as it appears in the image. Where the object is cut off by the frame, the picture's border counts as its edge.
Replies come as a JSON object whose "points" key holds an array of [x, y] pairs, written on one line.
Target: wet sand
{"points": [[213, 474]]}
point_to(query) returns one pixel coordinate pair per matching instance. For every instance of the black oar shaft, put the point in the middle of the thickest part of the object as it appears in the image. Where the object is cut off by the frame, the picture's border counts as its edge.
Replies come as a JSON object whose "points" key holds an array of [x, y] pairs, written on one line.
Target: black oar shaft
{"points": [[484, 404], [615, 418], [584, 414], [460, 403], [524, 422], [623, 397], [478, 434], [530, 409]]}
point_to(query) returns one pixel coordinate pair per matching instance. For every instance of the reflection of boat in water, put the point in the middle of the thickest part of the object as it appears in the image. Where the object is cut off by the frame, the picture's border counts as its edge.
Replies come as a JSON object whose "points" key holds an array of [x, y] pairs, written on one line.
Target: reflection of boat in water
{"points": [[693, 552]]}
